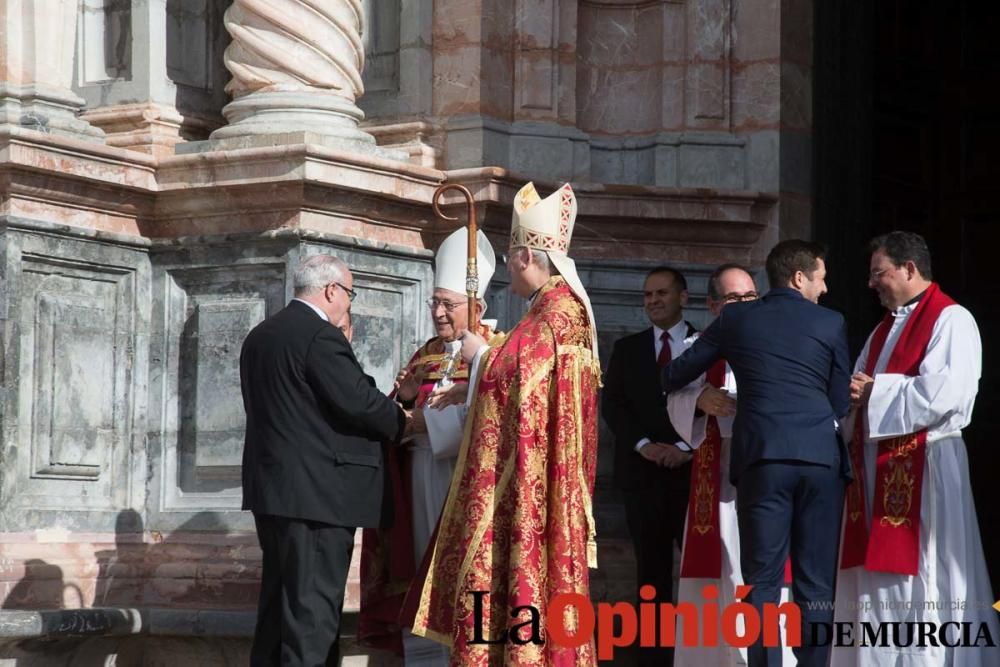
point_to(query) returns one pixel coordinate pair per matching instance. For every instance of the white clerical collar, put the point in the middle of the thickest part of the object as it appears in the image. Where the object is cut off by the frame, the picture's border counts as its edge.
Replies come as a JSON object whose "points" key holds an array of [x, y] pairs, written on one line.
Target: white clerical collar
{"points": [[678, 332], [909, 306], [314, 307]]}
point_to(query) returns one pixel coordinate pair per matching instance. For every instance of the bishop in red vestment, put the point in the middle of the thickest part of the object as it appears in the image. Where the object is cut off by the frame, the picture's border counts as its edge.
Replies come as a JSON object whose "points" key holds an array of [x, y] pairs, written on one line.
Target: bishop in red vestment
{"points": [[517, 527]]}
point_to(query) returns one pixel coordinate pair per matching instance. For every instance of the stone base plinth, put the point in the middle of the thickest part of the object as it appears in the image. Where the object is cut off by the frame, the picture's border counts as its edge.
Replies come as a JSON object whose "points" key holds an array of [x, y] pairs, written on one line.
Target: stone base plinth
{"points": [[264, 140], [140, 637], [45, 109]]}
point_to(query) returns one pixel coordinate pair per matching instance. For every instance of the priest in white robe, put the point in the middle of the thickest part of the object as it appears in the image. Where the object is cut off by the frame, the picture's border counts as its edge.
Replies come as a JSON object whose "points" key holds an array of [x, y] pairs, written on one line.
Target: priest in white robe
{"points": [[911, 550], [421, 475], [692, 411]]}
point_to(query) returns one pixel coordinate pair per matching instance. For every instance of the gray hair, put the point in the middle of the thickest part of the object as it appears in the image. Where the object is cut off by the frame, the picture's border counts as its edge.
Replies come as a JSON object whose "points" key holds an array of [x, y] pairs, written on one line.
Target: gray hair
{"points": [[316, 272], [541, 258]]}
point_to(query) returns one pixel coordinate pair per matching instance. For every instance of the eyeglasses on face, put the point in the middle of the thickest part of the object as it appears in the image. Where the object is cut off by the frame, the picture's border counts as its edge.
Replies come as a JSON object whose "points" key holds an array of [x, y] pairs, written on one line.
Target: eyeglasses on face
{"points": [[732, 297], [875, 274], [449, 306], [351, 294]]}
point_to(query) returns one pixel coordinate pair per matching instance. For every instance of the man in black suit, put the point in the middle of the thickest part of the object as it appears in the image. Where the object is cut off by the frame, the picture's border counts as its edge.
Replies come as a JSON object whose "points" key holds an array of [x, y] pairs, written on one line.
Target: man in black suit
{"points": [[652, 464], [312, 463], [788, 461]]}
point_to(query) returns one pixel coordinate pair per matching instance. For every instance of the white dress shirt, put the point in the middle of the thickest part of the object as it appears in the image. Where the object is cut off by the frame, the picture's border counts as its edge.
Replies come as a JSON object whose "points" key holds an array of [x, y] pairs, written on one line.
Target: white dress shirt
{"points": [[678, 334], [314, 307]]}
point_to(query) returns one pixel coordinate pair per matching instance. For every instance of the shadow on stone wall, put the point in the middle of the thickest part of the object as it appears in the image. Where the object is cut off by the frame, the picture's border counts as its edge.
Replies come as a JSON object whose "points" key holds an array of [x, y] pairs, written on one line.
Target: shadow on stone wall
{"points": [[41, 587], [120, 571]]}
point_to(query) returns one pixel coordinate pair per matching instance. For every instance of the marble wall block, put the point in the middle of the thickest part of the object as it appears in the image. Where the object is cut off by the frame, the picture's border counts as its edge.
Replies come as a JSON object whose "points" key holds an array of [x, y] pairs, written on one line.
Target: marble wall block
{"points": [[204, 312], [618, 72], [76, 342], [709, 25], [712, 161], [207, 298]]}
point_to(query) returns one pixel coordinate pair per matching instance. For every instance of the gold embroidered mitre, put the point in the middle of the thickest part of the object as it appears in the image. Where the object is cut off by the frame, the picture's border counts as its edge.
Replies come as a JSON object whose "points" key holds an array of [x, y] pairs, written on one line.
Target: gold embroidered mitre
{"points": [[543, 224]]}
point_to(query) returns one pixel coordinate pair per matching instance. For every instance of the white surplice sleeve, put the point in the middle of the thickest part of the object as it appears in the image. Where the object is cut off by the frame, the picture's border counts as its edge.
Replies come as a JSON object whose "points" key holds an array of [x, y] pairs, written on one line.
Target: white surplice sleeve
{"points": [[942, 396], [682, 404], [681, 407], [445, 428]]}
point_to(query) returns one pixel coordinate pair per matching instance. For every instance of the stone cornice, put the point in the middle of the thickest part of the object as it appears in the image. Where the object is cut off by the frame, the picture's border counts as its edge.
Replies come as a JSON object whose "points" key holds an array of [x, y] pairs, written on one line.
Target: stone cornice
{"points": [[329, 191]]}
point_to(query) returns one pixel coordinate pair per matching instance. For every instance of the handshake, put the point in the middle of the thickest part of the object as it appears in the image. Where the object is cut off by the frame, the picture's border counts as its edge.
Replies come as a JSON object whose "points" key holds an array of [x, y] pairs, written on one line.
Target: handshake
{"points": [[407, 386]]}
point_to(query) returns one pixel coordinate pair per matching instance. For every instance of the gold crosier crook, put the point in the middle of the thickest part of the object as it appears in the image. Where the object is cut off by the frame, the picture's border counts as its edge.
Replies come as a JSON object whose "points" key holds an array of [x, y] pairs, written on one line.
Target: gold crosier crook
{"points": [[471, 270]]}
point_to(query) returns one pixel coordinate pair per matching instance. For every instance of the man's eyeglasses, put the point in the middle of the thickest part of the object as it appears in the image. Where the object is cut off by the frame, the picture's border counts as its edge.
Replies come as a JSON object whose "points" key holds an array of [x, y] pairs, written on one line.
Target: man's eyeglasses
{"points": [[449, 306], [878, 273], [733, 297], [350, 293]]}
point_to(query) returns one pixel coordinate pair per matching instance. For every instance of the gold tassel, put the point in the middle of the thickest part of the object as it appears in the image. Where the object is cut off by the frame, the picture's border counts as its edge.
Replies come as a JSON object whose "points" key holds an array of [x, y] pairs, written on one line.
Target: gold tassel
{"points": [[592, 554]]}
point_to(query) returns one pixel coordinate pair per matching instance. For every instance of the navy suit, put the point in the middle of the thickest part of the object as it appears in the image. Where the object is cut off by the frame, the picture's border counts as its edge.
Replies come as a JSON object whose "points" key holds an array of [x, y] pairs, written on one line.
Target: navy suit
{"points": [[789, 463]]}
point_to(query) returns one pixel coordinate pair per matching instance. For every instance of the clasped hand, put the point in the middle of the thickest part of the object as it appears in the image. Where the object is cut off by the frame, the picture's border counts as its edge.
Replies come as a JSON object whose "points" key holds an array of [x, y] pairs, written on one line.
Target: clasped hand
{"points": [[861, 388], [665, 455]]}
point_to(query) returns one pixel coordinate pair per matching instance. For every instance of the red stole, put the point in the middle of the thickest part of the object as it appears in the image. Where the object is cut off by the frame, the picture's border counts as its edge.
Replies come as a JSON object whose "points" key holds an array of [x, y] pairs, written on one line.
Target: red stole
{"points": [[894, 543], [702, 542]]}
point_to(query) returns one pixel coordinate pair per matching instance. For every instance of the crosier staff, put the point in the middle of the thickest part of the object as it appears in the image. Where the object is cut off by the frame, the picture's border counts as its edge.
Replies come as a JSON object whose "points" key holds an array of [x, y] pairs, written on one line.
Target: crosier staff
{"points": [[471, 270]]}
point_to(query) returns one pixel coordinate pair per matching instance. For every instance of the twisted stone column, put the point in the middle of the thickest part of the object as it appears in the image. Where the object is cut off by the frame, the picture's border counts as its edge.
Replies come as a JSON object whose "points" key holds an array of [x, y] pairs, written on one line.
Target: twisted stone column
{"points": [[296, 67]]}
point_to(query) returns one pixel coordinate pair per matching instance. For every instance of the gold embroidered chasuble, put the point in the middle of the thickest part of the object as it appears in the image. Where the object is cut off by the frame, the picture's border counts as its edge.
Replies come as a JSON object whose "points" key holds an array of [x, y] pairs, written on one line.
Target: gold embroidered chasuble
{"points": [[518, 524]]}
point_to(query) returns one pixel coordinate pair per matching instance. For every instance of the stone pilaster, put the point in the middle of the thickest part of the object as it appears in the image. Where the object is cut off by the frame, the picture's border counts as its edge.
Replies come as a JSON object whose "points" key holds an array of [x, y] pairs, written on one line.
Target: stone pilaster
{"points": [[36, 68], [296, 68]]}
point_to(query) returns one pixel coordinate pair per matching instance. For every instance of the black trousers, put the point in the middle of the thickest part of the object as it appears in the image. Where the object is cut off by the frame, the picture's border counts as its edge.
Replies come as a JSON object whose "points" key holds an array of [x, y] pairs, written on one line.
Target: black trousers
{"points": [[784, 508], [302, 592], [655, 509]]}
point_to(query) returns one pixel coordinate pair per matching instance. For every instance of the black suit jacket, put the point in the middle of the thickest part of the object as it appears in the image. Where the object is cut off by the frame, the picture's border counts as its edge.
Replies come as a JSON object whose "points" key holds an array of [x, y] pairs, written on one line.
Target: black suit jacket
{"points": [[314, 423], [633, 403], [789, 356]]}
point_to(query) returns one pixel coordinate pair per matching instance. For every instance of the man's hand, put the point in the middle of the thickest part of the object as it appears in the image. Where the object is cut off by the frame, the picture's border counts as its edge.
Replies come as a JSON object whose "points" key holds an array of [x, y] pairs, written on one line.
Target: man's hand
{"points": [[419, 425], [442, 397], [716, 402], [653, 452], [662, 454], [470, 345], [674, 457], [415, 423], [408, 383], [861, 389]]}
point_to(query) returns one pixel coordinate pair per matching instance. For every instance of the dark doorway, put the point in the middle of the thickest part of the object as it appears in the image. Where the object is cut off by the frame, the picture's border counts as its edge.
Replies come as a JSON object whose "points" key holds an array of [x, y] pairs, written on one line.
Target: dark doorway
{"points": [[907, 130]]}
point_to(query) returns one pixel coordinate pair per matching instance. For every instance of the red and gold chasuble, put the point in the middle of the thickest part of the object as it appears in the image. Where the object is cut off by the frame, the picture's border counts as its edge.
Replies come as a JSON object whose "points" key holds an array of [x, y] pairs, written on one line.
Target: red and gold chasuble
{"points": [[387, 565], [894, 543], [702, 541], [518, 523]]}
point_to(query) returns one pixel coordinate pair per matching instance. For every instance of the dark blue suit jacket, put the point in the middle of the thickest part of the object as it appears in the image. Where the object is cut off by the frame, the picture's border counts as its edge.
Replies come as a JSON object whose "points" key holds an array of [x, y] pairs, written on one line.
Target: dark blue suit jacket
{"points": [[789, 356]]}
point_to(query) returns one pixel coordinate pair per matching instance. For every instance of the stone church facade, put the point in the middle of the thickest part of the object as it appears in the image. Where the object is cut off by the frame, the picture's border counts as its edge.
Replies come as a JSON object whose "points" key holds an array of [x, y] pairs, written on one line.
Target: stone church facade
{"points": [[164, 165]]}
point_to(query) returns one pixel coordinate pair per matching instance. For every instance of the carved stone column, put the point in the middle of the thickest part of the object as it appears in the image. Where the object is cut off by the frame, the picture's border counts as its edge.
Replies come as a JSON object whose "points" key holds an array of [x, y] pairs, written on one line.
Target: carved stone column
{"points": [[36, 67], [296, 67]]}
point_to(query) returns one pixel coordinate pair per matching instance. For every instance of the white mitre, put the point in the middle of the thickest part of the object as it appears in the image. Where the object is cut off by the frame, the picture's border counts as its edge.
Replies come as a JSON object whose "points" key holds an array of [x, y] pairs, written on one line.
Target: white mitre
{"points": [[452, 258], [547, 225]]}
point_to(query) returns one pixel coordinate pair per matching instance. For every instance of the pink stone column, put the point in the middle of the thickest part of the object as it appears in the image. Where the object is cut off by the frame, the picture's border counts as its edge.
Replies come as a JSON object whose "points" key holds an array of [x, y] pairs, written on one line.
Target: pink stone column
{"points": [[296, 67]]}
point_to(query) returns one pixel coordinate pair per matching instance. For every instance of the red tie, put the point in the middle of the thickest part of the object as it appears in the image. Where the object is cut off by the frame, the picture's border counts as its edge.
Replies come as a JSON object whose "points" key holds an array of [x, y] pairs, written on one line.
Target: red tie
{"points": [[665, 355]]}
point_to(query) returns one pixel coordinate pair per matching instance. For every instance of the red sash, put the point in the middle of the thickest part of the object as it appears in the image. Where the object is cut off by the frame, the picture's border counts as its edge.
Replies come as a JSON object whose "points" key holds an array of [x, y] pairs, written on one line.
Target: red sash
{"points": [[894, 543], [702, 542]]}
